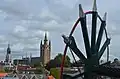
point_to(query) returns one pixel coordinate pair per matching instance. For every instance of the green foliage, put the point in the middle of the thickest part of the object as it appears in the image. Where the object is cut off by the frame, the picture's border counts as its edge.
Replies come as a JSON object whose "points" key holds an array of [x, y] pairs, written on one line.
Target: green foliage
{"points": [[58, 59], [37, 65], [56, 62], [2, 70], [7, 70], [67, 62], [55, 72], [39, 70], [50, 64]]}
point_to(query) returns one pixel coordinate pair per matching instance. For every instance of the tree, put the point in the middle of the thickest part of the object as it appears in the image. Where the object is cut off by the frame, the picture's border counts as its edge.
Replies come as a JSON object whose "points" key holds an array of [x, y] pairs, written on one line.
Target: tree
{"points": [[58, 59], [2, 70], [50, 64], [56, 62]]}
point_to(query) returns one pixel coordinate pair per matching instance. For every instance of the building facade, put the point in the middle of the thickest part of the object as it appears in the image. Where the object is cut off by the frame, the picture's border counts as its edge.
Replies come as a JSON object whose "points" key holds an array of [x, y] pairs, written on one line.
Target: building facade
{"points": [[27, 61], [44, 58], [45, 50]]}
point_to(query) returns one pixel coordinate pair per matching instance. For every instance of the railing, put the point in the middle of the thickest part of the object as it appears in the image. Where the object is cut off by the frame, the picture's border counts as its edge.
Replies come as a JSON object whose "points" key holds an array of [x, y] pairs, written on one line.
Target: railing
{"points": [[25, 76]]}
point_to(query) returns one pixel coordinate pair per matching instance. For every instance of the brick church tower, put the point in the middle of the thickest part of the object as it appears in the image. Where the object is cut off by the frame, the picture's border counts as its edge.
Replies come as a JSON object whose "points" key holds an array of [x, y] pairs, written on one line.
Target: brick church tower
{"points": [[45, 50]]}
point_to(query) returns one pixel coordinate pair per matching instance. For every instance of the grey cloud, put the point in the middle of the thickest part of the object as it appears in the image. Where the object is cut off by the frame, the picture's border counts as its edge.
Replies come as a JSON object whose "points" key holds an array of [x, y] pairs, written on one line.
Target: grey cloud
{"points": [[54, 16]]}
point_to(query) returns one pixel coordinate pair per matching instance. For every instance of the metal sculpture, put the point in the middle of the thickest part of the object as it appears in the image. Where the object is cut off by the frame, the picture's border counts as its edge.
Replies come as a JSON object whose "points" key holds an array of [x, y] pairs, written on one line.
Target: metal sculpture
{"points": [[93, 51]]}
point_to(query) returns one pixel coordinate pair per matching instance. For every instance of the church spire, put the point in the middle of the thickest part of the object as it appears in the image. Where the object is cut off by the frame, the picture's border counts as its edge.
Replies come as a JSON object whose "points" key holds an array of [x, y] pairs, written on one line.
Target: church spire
{"points": [[8, 49], [30, 58], [41, 42], [45, 39], [8, 45]]}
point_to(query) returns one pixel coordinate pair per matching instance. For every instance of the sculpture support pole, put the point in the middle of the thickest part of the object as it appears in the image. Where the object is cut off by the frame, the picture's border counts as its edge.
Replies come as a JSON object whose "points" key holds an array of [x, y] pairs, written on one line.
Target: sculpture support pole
{"points": [[100, 53], [85, 36], [94, 21], [70, 42], [100, 34], [107, 53], [93, 35], [84, 31]]}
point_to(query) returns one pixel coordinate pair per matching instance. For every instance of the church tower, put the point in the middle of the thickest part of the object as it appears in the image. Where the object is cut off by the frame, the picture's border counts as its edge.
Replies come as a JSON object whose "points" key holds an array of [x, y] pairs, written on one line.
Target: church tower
{"points": [[45, 50], [8, 56]]}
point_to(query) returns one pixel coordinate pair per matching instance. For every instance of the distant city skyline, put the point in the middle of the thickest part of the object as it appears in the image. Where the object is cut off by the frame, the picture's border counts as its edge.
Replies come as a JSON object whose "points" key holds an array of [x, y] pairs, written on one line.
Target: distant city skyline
{"points": [[24, 22]]}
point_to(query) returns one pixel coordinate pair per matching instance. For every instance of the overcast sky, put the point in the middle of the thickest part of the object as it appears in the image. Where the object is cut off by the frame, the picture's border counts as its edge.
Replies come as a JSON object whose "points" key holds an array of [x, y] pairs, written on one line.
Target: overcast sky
{"points": [[24, 22]]}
